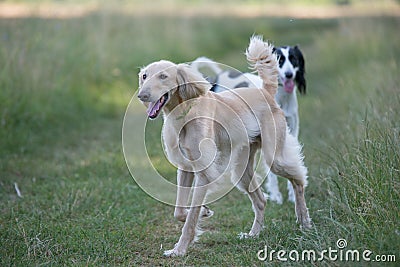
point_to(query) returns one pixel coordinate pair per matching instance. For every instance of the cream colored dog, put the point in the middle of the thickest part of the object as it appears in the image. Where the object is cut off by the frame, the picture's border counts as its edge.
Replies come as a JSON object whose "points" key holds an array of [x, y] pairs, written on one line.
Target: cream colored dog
{"points": [[212, 136]]}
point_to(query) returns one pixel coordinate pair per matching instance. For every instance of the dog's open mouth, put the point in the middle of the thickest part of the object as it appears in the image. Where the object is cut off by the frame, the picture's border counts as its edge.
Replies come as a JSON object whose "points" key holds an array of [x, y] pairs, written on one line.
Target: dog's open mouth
{"points": [[288, 85], [155, 108]]}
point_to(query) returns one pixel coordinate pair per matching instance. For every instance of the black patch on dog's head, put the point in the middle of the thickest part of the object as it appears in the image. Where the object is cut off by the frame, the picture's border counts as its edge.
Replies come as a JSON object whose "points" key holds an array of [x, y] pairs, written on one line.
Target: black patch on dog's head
{"points": [[298, 59], [242, 84], [281, 59]]}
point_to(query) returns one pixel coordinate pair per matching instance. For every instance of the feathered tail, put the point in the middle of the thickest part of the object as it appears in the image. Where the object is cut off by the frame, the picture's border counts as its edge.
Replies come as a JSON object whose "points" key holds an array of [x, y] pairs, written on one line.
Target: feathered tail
{"points": [[261, 58]]}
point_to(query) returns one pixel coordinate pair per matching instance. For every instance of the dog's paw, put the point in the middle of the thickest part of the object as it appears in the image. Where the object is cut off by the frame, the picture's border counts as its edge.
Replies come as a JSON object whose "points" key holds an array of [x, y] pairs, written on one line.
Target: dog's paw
{"points": [[173, 253], [243, 235], [276, 197], [170, 253], [306, 223], [206, 212], [307, 226], [246, 235]]}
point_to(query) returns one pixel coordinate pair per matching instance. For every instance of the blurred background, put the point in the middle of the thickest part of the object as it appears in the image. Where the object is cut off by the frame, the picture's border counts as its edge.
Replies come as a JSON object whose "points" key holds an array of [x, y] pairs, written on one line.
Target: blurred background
{"points": [[69, 69]]}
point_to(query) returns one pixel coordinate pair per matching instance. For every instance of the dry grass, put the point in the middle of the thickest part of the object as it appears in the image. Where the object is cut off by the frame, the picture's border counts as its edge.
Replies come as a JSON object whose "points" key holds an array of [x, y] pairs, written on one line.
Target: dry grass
{"points": [[292, 9]]}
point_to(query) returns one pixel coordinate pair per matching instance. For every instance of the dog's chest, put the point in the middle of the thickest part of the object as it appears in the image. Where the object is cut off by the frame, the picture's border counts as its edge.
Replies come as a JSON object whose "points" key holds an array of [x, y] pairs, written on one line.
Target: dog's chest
{"points": [[287, 102], [171, 142], [181, 147]]}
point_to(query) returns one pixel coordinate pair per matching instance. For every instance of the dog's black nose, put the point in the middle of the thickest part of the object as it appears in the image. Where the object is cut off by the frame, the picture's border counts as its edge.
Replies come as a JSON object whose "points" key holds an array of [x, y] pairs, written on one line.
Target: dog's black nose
{"points": [[288, 75], [143, 96]]}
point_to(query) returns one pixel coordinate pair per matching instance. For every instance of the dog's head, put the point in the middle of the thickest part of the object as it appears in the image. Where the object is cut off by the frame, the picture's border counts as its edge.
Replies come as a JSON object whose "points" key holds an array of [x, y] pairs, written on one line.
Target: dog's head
{"points": [[291, 68], [164, 85]]}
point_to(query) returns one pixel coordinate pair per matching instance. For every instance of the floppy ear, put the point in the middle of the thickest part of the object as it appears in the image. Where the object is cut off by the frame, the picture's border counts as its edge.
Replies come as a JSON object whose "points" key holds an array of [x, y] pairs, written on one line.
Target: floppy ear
{"points": [[191, 84], [300, 75]]}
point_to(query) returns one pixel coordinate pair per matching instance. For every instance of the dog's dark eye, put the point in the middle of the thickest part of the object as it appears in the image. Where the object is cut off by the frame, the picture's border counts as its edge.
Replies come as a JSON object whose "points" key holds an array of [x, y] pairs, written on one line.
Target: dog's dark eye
{"points": [[144, 76], [293, 59], [281, 60], [163, 76]]}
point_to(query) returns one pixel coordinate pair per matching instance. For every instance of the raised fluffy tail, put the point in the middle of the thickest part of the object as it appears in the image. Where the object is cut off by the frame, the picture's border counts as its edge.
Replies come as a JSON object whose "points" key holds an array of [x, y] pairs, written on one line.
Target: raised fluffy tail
{"points": [[261, 58]]}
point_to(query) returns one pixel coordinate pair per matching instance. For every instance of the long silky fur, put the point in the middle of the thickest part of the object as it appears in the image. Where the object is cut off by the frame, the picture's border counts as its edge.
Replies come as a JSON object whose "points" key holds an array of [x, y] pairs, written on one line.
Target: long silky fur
{"points": [[262, 59]]}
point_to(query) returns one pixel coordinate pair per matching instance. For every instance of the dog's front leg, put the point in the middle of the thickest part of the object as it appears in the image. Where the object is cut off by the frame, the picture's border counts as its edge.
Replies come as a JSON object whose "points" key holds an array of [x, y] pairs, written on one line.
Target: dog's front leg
{"points": [[184, 182], [293, 124], [189, 229]]}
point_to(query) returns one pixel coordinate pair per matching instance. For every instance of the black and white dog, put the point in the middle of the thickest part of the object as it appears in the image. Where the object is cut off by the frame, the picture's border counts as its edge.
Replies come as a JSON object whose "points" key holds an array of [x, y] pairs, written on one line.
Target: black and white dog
{"points": [[291, 76]]}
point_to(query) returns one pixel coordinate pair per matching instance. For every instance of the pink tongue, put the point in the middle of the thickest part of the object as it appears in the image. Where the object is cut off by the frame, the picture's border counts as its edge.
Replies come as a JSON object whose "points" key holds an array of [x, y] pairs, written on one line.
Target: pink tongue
{"points": [[154, 108], [288, 85]]}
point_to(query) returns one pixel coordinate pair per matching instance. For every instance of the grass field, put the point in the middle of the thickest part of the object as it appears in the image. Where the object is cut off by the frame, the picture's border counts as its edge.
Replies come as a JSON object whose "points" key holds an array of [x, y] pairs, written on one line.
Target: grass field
{"points": [[64, 88]]}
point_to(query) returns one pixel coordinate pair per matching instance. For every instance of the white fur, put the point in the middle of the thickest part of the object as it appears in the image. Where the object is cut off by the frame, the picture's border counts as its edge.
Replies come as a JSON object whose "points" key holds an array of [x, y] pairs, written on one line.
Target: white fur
{"points": [[204, 62]]}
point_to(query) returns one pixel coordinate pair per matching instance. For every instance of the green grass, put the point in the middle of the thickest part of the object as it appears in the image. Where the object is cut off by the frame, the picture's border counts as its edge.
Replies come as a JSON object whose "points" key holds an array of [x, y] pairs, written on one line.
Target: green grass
{"points": [[64, 87]]}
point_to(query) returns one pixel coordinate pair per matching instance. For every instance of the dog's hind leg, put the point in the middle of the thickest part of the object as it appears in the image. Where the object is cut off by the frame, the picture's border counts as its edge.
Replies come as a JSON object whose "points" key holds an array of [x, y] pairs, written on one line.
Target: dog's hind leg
{"points": [[248, 184], [258, 203], [289, 164], [301, 209], [190, 226]]}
